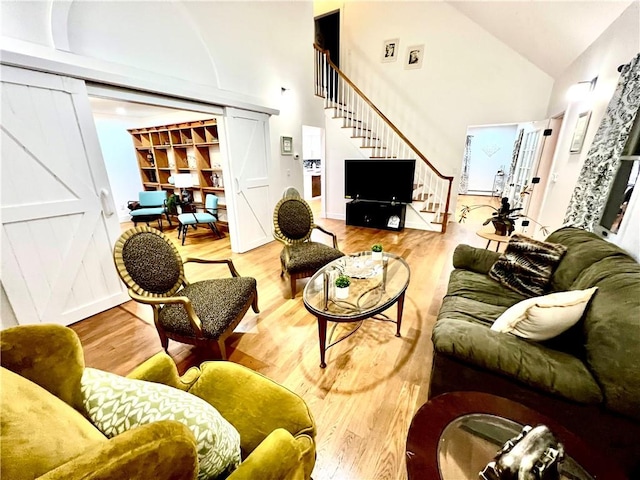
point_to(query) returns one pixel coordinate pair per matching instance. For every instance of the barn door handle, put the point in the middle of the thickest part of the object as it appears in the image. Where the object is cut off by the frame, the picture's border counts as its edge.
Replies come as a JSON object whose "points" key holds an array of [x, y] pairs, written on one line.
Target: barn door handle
{"points": [[237, 184], [105, 200]]}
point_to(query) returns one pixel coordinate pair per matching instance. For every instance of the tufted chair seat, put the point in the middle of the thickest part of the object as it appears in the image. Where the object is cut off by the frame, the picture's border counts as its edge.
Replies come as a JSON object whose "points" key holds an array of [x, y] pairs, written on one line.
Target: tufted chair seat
{"points": [[292, 226], [198, 313], [214, 301]]}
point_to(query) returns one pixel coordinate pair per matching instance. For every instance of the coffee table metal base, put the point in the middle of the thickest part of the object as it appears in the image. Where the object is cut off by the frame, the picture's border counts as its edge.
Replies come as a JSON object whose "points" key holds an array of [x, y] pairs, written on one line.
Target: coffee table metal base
{"points": [[323, 321]]}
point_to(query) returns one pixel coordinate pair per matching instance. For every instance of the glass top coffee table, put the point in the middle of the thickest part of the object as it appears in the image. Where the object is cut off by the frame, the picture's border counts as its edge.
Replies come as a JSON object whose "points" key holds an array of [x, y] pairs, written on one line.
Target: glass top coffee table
{"points": [[375, 286]]}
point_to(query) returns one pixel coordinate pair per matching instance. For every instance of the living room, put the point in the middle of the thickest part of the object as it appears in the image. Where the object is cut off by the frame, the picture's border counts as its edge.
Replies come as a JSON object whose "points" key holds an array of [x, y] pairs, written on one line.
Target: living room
{"points": [[170, 65]]}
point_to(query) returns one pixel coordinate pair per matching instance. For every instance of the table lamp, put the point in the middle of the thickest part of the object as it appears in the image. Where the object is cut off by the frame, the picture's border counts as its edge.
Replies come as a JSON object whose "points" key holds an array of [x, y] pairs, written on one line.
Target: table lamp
{"points": [[183, 181]]}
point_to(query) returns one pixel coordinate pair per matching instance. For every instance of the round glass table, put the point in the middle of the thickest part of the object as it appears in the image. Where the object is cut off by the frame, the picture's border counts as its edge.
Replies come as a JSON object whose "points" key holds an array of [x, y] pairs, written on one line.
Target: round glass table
{"points": [[455, 435], [375, 286]]}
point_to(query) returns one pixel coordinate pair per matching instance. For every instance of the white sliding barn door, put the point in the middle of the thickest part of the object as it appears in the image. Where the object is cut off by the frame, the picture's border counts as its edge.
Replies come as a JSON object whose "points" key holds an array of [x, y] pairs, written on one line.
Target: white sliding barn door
{"points": [[58, 226], [249, 204]]}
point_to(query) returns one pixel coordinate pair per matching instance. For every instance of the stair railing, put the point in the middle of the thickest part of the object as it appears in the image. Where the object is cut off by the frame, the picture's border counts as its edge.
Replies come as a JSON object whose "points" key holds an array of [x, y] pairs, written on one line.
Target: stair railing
{"points": [[379, 135]]}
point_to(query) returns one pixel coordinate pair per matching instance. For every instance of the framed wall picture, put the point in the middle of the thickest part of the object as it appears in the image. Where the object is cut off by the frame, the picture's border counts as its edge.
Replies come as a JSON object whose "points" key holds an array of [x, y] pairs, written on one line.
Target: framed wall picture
{"points": [[415, 53], [580, 132], [390, 50], [286, 146]]}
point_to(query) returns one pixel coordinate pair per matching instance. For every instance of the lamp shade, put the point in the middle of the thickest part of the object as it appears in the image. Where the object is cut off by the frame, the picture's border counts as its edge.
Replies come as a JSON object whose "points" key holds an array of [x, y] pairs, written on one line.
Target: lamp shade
{"points": [[183, 180]]}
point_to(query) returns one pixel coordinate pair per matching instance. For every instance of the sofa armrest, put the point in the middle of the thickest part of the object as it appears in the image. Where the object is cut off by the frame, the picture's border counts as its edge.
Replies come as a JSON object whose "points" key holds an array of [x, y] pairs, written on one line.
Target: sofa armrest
{"points": [[276, 458], [160, 450], [475, 259], [162, 369]]}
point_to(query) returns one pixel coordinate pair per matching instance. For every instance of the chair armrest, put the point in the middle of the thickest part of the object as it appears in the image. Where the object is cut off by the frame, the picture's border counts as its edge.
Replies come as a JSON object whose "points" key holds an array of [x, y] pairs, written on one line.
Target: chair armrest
{"points": [[162, 369], [159, 450], [332, 235], [228, 261], [276, 458], [196, 324], [227, 386]]}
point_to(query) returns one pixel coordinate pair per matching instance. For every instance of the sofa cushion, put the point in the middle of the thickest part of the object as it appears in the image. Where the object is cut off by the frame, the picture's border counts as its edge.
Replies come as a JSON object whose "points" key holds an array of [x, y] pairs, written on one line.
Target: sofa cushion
{"points": [[543, 318], [527, 265], [116, 404], [479, 287], [461, 308], [530, 363], [39, 431]]}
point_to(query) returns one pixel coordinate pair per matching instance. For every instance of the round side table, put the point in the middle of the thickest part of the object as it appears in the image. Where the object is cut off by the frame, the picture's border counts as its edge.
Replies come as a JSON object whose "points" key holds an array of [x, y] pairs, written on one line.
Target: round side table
{"points": [[492, 237], [453, 436]]}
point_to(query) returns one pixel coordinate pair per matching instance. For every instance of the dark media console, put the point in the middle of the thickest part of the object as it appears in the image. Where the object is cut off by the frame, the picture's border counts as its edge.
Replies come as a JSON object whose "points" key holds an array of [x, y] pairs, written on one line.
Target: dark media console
{"points": [[384, 215]]}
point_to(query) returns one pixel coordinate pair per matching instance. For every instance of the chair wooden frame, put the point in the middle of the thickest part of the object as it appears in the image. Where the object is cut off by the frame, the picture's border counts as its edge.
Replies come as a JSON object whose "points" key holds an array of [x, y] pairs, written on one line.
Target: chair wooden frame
{"points": [[286, 241], [156, 300]]}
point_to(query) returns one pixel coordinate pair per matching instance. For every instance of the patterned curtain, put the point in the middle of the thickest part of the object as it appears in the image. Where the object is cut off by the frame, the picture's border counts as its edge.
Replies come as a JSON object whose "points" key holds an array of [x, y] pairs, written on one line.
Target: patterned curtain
{"points": [[463, 188], [600, 167]]}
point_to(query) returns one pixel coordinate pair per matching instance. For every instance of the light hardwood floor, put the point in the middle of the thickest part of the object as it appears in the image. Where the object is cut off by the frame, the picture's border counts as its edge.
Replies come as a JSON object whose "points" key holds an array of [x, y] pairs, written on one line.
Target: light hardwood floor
{"points": [[363, 402]]}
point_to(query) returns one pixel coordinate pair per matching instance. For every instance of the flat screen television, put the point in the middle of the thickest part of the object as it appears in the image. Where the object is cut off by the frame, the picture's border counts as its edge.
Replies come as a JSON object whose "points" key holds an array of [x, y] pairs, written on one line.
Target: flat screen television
{"points": [[379, 180]]}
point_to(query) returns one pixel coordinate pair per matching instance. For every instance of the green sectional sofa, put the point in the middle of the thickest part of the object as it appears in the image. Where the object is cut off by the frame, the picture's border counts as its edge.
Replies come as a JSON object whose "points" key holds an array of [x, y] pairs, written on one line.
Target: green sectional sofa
{"points": [[587, 378]]}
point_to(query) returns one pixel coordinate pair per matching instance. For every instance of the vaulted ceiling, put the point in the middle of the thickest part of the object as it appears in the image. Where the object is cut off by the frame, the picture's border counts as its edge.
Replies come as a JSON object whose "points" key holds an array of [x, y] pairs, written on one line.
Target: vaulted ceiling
{"points": [[550, 34]]}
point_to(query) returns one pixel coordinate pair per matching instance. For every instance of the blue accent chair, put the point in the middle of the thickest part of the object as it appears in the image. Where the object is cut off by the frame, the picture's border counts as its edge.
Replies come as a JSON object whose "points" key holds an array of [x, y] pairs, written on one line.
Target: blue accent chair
{"points": [[208, 217], [152, 205]]}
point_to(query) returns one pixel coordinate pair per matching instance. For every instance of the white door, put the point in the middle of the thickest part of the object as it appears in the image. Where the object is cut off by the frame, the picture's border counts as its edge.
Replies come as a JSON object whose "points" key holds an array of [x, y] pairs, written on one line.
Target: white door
{"points": [[526, 164], [58, 226], [249, 208]]}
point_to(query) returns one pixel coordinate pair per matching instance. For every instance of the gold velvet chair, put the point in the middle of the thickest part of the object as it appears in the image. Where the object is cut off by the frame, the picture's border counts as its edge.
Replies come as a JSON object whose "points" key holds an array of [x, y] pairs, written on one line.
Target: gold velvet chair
{"points": [[46, 436], [292, 226], [200, 313]]}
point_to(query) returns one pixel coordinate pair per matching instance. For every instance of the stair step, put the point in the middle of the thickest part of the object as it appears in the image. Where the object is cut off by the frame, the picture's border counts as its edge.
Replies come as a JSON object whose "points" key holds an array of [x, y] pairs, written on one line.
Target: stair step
{"points": [[431, 207]]}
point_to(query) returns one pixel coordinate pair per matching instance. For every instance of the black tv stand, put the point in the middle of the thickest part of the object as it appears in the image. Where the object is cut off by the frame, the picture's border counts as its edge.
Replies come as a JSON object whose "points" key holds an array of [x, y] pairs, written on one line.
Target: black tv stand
{"points": [[372, 214]]}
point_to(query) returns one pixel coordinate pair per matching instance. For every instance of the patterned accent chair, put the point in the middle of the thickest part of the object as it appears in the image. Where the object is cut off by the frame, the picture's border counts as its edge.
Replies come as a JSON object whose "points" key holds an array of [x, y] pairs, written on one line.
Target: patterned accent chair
{"points": [[293, 225], [200, 313]]}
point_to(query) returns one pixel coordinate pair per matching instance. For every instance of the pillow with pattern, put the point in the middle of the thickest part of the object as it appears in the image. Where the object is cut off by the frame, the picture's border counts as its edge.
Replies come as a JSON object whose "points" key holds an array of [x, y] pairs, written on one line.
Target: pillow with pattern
{"points": [[116, 404], [526, 265]]}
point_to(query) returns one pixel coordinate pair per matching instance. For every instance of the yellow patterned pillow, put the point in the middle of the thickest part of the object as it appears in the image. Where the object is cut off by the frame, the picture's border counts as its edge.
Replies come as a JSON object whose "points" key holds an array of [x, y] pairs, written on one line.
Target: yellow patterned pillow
{"points": [[116, 404]]}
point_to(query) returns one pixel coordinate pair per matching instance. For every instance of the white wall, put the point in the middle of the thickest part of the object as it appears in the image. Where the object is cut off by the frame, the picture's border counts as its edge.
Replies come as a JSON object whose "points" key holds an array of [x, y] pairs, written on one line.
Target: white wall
{"points": [[616, 46], [468, 77], [485, 160]]}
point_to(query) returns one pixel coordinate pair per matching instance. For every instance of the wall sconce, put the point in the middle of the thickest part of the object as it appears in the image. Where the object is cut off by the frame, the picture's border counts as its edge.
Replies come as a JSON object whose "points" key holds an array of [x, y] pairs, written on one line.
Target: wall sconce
{"points": [[580, 90]]}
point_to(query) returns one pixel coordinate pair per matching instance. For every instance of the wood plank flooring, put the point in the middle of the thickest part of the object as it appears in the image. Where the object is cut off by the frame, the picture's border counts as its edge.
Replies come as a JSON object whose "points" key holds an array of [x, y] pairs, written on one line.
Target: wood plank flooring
{"points": [[363, 402]]}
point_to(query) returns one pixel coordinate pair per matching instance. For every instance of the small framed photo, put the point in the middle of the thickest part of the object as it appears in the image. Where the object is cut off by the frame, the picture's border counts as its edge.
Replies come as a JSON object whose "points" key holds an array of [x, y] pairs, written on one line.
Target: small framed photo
{"points": [[286, 146], [580, 132], [390, 50], [414, 56]]}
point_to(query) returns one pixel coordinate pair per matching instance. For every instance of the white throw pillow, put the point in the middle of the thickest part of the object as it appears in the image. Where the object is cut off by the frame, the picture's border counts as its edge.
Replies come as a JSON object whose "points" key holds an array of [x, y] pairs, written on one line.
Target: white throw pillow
{"points": [[116, 404], [542, 318]]}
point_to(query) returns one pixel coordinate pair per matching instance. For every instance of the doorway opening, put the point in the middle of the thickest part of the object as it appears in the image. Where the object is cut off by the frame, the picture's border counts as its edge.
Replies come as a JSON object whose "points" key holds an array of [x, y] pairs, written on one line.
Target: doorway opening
{"points": [[152, 158], [509, 160]]}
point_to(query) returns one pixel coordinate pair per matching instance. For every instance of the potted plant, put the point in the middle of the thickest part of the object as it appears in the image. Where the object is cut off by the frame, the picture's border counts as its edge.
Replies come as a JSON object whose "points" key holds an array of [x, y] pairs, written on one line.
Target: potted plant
{"points": [[376, 250], [342, 286], [503, 218]]}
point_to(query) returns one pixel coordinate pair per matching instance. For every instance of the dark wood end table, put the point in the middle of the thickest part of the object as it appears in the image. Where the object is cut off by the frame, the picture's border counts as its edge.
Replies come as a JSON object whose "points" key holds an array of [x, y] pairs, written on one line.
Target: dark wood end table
{"points": [[453, 436]]}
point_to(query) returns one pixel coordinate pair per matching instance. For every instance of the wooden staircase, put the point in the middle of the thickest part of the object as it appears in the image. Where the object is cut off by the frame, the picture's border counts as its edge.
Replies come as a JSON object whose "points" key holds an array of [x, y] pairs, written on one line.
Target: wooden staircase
{"points": [[378, 138]]}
